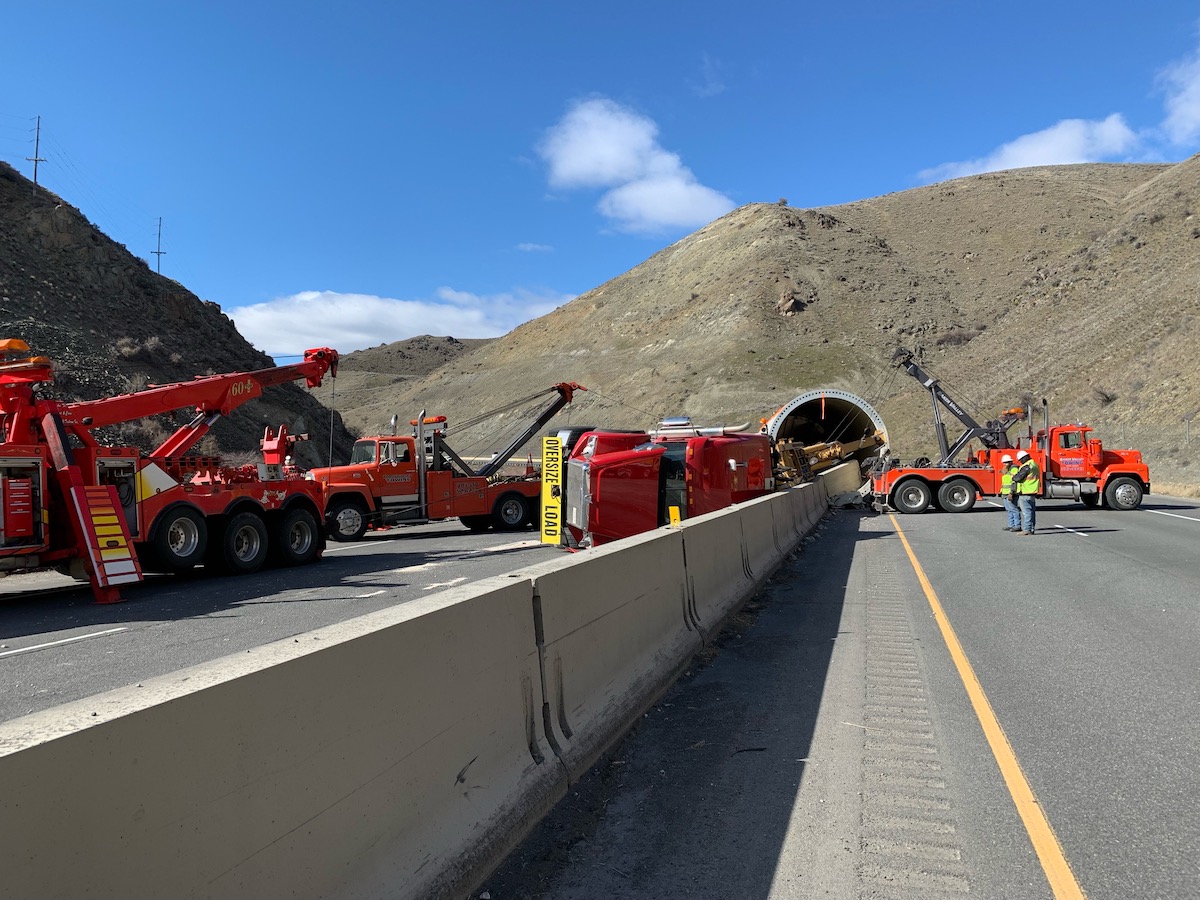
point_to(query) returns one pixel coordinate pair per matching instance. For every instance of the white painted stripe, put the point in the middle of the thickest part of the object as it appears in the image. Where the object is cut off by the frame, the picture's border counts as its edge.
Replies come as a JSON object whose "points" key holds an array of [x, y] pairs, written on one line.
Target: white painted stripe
{"points": [[418, 568], [444, 584], [365, 596], [132, 578], [1072, 530], [1159, 512], [71, 640], [514, 546], [120, 568]]}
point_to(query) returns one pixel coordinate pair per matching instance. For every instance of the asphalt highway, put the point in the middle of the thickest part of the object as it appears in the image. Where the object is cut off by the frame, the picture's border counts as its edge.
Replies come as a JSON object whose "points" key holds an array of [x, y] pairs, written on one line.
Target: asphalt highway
{"points": [[835, 746], [57, 645], [915, 706]]}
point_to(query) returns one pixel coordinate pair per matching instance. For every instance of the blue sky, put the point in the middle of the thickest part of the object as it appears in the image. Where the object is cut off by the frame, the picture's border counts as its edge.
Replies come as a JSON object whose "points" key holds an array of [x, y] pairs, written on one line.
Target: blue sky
{"points": [[357, 173]]}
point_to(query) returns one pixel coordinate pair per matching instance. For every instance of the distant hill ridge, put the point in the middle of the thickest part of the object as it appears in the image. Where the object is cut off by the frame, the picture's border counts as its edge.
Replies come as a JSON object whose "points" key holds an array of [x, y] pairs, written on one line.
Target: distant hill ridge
{"points": [[1074, 283]]}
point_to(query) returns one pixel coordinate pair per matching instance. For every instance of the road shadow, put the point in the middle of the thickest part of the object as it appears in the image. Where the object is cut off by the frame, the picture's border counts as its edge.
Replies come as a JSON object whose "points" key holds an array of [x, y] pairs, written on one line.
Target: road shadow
{"points": [[698, 800]]}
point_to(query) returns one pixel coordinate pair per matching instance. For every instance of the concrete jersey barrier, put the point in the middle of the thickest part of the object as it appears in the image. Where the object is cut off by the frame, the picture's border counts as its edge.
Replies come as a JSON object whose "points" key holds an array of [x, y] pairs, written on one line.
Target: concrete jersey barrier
{"points": [[614, 633], [399, 754], [402, 754]]}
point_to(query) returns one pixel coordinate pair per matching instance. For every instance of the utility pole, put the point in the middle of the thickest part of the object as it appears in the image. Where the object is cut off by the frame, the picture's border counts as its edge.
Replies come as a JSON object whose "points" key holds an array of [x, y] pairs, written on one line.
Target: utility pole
{"points": [[160, 251], [37, 143]]}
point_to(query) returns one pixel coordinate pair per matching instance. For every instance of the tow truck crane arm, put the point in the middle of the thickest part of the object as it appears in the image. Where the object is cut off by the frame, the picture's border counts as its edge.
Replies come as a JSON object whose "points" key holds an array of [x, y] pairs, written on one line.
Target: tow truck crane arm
{"points": [[566, 392], [993, 435], [212, 396]]}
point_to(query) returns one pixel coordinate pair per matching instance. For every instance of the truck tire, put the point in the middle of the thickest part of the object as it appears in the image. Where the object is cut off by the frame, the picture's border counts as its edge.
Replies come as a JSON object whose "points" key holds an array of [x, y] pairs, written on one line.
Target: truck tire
{"points": [[1091, 501], [912, 496], [957, 495], [181, 539], [1123, 494], [345, 519], [476, 523], [296, 541], [243, 547], [511, 512]]}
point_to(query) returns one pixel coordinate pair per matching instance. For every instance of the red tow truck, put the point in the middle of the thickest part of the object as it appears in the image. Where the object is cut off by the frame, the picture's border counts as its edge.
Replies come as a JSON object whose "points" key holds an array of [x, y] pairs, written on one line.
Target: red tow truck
{"points": [[106, 513], [397, 479], [1075, 465], [620, 483]]}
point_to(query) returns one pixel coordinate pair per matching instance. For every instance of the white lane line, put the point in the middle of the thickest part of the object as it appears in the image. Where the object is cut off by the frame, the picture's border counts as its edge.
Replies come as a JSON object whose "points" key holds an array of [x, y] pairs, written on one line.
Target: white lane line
{"points": [[444, 584], [1159, 512], [365, 596], [1072, 530], [70, 640], [515, 546], [420, 567]]}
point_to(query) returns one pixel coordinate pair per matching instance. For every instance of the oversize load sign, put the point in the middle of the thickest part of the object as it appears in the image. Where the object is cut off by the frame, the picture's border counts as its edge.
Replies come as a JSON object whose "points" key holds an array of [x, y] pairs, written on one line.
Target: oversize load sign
{"points": [[551, 490]]}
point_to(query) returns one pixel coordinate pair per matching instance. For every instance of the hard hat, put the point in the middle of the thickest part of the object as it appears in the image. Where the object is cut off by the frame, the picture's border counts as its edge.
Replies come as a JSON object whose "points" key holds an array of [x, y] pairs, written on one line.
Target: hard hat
{"points": [[1021, 454], [1006, 458]]}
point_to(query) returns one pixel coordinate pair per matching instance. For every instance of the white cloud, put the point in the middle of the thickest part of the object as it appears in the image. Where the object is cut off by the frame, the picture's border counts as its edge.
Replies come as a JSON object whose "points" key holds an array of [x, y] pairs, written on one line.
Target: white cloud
{"points": [[663, 201], [1068, 141], [534, 248], [288, 325], [601, 144], [711, 83], [1181, 84]]}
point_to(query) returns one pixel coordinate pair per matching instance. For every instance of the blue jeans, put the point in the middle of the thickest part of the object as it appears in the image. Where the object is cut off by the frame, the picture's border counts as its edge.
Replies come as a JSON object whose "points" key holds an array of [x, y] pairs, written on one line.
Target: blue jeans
{"points": [[1028, 503], [1014, 513]]}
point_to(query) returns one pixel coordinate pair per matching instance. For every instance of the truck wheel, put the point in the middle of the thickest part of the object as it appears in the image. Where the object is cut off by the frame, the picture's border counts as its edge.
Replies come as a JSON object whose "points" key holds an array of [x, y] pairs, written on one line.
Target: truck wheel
{"points": [[296, 541], [511, 512], [181, 539], [912, 496], [957, 495], [1123, 494], [345, 519], [1091, 501], [476, 523], [243, 544]]}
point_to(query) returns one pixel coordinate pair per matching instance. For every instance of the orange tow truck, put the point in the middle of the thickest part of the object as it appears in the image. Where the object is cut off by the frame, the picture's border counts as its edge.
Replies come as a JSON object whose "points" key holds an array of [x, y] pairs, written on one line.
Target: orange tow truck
{"points": [[1075, 464], [402, 479]]}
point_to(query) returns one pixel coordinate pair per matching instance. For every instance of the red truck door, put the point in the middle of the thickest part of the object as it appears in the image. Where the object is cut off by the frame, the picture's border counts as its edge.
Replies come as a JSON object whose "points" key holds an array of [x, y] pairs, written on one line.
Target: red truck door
{"points": [[1068, 455], [393, 476]]}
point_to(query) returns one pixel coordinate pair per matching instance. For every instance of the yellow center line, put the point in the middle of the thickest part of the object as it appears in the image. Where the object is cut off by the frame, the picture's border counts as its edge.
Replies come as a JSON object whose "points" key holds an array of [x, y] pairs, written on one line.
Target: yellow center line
{"points": [[1037, 826]]}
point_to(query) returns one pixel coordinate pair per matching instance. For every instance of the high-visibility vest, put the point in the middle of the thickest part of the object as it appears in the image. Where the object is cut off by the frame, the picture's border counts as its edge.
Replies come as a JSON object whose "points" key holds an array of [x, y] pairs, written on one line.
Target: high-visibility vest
{"points": [[1006, 477], [1032, 483]]}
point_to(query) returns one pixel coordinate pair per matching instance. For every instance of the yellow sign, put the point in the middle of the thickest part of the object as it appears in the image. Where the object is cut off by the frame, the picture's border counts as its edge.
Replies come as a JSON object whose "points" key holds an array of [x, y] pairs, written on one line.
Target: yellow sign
{"points": [[552, 481], [673, 515]]}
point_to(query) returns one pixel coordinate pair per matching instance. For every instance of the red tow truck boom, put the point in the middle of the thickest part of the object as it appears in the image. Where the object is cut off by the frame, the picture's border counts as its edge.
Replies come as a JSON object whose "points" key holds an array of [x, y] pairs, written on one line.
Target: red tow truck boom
{"points": [[108, 513]]}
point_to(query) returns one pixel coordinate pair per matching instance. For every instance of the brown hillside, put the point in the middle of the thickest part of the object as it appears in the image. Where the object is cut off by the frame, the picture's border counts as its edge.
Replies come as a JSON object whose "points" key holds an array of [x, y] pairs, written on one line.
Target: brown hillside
{"points": [[1073, 283], [111, 325], [367, 379], [1076, 283]]}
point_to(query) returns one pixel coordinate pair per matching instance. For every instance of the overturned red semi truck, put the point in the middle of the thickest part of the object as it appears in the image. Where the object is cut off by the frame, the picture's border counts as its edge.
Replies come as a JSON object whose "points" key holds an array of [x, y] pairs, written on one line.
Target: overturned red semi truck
{"points": [[615, 484]]}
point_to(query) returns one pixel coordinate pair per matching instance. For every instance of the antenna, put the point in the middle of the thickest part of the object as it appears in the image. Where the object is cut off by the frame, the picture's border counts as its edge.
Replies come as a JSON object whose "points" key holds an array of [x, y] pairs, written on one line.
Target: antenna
{"points": [[160, 251], [37, 143]]}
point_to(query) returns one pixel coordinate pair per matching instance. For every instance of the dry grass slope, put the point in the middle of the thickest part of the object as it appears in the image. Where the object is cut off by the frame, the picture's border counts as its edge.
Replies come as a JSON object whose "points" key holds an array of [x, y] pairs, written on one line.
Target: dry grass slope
{"points": [[1073, 283]]}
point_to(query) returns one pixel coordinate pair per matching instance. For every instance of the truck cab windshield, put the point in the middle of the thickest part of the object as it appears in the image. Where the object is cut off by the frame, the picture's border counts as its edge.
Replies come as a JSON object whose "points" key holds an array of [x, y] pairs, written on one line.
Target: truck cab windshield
{"points": [[364, 452]]}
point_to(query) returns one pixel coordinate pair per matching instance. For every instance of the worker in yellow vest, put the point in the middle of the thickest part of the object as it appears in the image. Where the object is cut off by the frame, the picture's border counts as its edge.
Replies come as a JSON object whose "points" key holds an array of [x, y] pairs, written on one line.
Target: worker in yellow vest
{"points": [[1008, 492], [1028, 482]]}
